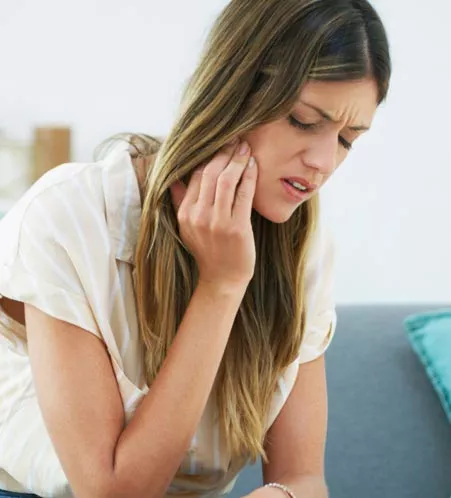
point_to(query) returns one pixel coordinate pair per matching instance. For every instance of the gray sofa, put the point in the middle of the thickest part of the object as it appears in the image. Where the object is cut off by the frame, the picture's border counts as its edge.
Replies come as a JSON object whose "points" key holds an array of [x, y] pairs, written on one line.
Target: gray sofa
{"points": [[388, 435]]}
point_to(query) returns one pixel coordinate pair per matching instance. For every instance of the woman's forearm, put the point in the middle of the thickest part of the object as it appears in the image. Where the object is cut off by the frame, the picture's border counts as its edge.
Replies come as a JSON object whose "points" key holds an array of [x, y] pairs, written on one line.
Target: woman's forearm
{"points": [[150, 449]]}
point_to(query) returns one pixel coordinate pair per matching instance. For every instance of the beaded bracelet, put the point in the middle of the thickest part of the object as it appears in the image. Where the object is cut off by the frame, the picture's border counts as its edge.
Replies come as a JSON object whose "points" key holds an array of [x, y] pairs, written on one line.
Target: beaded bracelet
{"points": [[282, 487]]}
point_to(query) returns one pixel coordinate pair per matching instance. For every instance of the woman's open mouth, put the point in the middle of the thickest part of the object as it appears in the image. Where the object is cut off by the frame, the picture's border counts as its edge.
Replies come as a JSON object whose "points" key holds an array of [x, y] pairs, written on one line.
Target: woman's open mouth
{"points": [[296, 190]]}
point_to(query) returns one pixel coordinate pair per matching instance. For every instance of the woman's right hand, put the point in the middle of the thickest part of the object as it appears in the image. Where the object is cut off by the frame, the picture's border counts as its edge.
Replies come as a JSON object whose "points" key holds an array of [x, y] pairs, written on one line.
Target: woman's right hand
{"points": [[214, 216]]}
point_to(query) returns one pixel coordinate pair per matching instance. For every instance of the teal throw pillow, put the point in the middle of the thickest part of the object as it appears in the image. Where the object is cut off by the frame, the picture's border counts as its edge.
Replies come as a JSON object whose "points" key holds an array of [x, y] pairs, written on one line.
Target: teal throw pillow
{"points": [[430, 336]]}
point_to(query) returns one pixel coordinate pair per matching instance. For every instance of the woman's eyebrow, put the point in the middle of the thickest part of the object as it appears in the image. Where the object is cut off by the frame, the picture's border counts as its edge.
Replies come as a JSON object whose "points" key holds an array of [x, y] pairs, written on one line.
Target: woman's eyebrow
{"points": [[329, 118]]}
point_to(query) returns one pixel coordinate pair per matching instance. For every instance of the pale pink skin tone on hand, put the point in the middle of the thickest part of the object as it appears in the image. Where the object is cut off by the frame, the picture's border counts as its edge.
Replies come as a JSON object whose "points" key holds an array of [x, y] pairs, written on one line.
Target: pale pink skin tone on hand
{"points": [[283, 150]]}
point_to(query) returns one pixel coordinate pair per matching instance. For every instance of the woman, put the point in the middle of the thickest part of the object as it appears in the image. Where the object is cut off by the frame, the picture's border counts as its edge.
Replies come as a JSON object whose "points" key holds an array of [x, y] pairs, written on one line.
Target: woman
{"points": [[165, 313]]}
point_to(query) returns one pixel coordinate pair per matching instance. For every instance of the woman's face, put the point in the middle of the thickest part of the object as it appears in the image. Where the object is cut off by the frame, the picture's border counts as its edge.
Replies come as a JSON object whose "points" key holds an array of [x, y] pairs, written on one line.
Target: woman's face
{"points": [[309, 145]]}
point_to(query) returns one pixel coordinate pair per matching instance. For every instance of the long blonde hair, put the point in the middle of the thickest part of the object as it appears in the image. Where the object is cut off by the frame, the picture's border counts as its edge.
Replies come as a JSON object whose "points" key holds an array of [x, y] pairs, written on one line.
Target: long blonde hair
{"points": [[256, 59]]}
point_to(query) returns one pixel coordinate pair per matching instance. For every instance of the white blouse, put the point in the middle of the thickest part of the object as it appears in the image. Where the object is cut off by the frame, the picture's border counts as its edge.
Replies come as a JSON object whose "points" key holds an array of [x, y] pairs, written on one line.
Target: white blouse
{"points": [[67, 247]]}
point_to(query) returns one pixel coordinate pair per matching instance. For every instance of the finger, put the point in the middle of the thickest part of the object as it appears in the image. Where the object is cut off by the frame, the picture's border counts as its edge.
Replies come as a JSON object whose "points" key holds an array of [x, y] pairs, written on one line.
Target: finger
{"points": [[245, 193], [178, 192], [192, 192], [212, 171], [228, 180]]}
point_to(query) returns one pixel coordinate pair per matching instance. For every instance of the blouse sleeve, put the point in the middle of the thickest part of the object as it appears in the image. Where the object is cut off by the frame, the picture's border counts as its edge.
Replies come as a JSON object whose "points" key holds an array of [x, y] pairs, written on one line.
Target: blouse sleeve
{"points": [[40, 257], [321, 315]]}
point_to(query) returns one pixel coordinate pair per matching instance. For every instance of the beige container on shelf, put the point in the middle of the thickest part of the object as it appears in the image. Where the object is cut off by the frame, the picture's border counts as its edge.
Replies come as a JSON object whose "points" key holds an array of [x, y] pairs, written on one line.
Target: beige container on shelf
{"points": [[52, 147], [15, 169]]}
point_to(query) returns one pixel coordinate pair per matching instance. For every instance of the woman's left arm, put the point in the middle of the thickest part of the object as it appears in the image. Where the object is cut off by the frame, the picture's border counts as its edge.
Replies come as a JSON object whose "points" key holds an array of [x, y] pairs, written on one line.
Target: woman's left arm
{"points": [[295, 443]]}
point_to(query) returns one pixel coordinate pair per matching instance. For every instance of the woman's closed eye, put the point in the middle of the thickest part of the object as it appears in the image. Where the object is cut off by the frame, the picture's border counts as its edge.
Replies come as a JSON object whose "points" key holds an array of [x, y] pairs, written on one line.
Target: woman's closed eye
{"points": [[312, 126]]}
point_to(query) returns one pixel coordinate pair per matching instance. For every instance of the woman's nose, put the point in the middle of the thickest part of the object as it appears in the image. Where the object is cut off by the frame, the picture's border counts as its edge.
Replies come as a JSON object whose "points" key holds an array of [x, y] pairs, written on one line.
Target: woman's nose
{"points": [[321, 154]]}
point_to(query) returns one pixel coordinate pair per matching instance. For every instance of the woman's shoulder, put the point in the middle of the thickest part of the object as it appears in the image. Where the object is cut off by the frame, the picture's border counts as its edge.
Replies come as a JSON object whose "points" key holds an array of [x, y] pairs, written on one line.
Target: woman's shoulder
{"points": [[321, 253], [57, 243], [45, 201], [87, 211], [76, 195], [63, 179]]}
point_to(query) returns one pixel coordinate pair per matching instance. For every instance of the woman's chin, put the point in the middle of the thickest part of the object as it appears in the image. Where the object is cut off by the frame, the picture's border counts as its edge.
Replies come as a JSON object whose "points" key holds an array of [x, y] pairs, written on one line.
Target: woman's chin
{"points": [[275, 213]]}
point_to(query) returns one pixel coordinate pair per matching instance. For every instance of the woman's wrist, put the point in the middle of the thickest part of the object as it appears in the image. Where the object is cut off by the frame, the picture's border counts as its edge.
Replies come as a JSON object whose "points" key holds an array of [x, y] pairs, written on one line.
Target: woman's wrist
{"points": [[223, 289], [271, 490], [303, 486], [285, 489]]}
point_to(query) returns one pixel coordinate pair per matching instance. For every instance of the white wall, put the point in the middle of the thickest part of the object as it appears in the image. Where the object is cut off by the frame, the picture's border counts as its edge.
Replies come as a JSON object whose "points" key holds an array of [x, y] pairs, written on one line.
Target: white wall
{"points": [[104, 66]]}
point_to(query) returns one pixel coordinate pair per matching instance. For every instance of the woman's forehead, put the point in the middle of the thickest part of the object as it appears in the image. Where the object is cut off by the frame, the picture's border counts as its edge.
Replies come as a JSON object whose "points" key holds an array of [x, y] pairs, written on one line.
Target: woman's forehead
{"points": [[353, 101]]}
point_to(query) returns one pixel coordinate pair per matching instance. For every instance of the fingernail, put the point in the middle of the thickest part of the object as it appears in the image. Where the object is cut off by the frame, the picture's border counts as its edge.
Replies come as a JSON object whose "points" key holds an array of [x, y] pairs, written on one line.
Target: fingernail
{"points": [[244, 148], [251, 162]]}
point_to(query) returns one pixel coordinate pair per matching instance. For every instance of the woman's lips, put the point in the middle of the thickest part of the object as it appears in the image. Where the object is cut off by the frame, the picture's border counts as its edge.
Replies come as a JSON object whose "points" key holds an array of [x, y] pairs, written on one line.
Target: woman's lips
{"points": [[302, 181], [292, 192]]}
